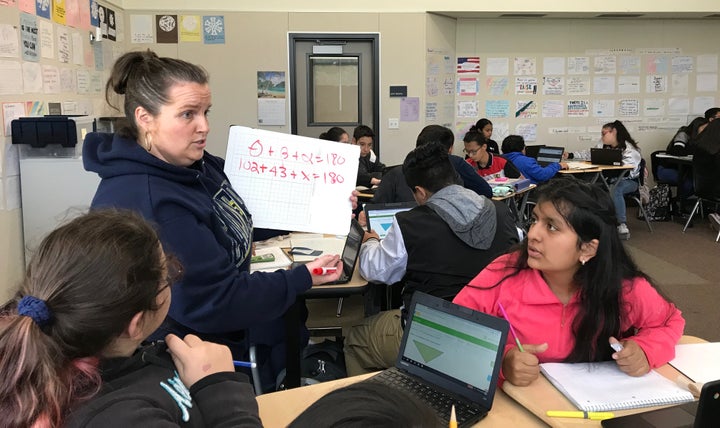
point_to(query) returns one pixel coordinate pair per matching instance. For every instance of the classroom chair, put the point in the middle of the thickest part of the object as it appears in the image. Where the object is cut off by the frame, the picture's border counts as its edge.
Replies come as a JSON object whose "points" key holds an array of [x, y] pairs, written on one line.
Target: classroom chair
{"points": [[703, 195], [635, 196]]}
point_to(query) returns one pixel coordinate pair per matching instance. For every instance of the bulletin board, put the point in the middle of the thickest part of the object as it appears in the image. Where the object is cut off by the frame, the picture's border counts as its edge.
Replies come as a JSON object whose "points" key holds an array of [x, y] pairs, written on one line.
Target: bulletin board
{"points": [[290, 182]]}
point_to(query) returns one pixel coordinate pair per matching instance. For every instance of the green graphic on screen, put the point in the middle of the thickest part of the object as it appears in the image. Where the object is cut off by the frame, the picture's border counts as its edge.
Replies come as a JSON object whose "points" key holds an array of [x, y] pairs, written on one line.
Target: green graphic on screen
{"points": [[428, 353]]}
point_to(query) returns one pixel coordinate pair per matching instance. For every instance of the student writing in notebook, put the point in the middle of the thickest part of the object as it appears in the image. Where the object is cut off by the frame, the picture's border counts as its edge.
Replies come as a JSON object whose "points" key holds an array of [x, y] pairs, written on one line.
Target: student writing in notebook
{"points": [[571, 287], [69, 339]]}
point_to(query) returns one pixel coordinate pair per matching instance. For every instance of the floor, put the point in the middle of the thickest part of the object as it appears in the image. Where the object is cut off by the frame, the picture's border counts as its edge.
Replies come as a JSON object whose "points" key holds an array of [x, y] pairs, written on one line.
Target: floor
{"points": [[685, 266]]}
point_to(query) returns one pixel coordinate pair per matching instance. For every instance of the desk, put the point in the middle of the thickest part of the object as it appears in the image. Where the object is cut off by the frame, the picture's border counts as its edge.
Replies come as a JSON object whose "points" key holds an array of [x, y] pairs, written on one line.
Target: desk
{"points": [[541, 396], [278, 409], [593, 174], [293, 352], [684, 167], [517, 211]]}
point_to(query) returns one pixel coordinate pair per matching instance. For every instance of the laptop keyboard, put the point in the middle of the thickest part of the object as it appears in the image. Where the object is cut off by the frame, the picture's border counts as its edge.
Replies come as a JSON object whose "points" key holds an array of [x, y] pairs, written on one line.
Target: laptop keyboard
{"points": [[441, 402]]}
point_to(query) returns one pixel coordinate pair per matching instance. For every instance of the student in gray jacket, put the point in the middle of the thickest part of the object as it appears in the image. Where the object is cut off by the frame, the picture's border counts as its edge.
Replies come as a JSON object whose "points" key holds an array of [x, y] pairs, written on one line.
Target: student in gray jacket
{"points": [[436, 247]]}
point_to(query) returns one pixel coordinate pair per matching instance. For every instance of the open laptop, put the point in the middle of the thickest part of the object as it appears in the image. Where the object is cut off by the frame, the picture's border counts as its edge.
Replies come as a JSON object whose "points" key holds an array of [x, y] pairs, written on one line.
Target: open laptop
{"points": [[600, 156], [380, 216], [532, 151], [449, 354], [704, 413], [350, 252], [549, 154]]}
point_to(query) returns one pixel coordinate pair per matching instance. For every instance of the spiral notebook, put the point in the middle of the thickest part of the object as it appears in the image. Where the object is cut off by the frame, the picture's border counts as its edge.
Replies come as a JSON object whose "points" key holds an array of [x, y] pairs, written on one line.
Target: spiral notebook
{"points": [[599, 387]]}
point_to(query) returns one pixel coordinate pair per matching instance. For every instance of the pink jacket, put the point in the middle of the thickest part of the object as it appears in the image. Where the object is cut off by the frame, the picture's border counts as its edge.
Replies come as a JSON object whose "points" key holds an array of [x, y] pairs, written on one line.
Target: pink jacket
{"points": [[538, 316]]}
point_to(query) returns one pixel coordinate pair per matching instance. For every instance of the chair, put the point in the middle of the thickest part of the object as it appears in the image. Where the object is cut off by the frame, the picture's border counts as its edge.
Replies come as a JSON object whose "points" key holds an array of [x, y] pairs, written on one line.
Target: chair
{"points": [[635, 196], [704, 181]]}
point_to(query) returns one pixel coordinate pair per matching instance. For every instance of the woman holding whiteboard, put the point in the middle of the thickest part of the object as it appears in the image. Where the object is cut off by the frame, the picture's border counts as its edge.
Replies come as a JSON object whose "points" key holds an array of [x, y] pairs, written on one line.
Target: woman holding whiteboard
{"points": [[158, 166]]}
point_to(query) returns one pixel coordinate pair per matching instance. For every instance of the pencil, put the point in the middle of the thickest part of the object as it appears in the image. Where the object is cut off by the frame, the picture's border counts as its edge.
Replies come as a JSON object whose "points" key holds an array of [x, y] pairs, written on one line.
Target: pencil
{"points": [[453, 418], [512, 330]]}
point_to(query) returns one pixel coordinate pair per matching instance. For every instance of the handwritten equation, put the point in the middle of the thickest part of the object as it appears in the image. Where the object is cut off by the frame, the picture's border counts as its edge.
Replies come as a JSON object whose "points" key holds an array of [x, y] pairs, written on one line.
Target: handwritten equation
{"points": [[267, 158], [291, 182]]}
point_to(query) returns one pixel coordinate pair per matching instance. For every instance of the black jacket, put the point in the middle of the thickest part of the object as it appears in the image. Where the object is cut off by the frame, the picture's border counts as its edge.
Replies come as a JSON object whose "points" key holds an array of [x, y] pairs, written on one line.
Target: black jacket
{"points": [[145, 390]]}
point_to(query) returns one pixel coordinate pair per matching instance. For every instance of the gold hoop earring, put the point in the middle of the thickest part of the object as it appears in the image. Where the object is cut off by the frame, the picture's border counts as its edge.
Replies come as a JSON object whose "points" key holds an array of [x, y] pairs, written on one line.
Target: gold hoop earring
{"points": [[148, 141]]}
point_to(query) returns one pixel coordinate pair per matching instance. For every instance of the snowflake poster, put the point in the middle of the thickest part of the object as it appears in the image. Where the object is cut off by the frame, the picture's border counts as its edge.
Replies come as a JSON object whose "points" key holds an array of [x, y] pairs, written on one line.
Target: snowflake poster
{"points": [[94, 14], [166, 28], [214, 30], [43, 8]]}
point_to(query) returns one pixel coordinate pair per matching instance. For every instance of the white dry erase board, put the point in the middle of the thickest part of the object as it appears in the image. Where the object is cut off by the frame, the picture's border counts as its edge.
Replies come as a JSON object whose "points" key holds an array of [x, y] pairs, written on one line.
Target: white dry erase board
{"points": [[289, 182]]}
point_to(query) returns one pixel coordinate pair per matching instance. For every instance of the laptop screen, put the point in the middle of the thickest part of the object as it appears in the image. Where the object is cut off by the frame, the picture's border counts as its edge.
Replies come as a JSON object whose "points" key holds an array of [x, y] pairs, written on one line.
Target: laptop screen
{"points": [[352, 247], [441, 342], [549, 154], [380, 216]]}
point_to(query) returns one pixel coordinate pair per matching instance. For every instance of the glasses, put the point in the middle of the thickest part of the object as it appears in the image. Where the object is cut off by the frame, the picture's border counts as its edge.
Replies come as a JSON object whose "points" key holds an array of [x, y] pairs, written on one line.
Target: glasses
{"points": [[471, 152]]}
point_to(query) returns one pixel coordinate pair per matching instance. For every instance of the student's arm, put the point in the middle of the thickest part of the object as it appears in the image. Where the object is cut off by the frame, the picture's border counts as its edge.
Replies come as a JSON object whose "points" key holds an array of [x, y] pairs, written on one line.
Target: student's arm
{"points": [[384, 260], [226, 400], [366, 173], [541, 174], [632, 157], [658, 322], [470, 178]]}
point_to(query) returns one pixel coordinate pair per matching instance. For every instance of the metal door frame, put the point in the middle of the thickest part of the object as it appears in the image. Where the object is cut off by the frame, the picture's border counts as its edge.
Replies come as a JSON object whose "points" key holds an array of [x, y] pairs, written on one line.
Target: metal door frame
{"points": [[374, 38]]}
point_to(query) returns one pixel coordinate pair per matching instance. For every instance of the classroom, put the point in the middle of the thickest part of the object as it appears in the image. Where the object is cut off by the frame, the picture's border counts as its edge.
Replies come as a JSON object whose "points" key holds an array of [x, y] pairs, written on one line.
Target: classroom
{"points": [[554, 74]]}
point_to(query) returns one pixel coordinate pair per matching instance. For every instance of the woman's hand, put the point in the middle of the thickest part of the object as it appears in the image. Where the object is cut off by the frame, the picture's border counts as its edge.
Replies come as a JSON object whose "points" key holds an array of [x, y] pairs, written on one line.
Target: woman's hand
{"points": [[325, 261], [354, 199], [195, 359], [631, 359], [521, 368]]}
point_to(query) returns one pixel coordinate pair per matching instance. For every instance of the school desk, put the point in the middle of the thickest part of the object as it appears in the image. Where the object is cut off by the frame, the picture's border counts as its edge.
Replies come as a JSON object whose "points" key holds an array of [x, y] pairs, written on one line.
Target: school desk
{"points": [[278, 409], [592, 175], [518, 210], [541, 396]]}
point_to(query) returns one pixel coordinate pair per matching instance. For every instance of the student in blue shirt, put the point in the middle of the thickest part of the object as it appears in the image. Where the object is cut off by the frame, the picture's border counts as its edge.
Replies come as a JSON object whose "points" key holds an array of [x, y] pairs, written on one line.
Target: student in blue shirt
{"points": [[513, 147]]}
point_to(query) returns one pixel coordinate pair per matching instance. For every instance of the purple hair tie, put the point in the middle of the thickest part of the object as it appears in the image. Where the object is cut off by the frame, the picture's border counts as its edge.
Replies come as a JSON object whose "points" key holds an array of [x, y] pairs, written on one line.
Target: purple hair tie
{"points": [[36, 309]]}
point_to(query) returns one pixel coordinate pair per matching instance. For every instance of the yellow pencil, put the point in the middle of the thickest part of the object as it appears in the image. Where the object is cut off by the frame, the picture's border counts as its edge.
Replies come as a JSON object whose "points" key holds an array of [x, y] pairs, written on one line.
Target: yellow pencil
{"points": [[453, 418]]}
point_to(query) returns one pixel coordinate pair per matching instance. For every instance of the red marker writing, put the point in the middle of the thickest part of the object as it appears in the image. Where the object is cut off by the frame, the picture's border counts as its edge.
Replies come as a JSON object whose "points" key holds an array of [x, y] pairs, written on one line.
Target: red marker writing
{"points": [[324, 270]]}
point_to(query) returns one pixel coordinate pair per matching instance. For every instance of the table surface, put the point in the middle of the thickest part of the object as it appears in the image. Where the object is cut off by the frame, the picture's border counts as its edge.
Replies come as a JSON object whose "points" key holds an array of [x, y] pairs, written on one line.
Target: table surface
{"points": [[278, 409], [540, 396], [513, 406]]}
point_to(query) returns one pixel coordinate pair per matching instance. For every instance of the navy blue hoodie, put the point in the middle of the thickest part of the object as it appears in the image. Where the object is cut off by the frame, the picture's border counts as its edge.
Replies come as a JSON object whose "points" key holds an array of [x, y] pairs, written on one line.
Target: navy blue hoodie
{"points": [[204, 223]]}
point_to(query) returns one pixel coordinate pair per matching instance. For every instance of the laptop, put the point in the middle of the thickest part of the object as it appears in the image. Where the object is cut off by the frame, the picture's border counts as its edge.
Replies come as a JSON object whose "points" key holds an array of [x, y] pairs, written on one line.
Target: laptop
{"points": [[600, 156], [449, 355], [380, 216], [704, 413], [549, 154], [350, 252], [532, 151]]}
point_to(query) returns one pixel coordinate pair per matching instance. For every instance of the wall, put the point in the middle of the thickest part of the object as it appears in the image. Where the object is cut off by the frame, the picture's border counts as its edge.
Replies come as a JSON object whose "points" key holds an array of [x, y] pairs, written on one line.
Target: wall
{"points": [[427, 5], [539, 39], [259, 41], [12, 261]]}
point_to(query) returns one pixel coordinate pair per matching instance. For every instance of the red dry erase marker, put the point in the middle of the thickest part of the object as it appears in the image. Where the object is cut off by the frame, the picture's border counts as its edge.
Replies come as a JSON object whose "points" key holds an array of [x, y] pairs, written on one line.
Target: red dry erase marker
{"points": [[324, 270]]}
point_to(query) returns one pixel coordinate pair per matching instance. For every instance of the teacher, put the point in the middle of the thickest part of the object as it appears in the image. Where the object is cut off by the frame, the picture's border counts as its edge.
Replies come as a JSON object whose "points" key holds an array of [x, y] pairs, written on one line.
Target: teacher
{"points": [[158, 166]]}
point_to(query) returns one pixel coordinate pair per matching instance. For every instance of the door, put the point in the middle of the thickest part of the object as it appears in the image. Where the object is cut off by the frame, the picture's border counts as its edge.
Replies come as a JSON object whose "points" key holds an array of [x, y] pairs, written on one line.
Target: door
{"points": [[334, 81]]}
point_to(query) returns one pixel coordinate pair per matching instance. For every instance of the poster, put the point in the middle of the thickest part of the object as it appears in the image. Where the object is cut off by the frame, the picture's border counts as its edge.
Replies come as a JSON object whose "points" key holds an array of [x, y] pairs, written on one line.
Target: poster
{"points": [[29, 37], [190, 30], [578, 108], [497, 108], [526, 86], [468, 65], [166, 28], [271, 98], [214, 30], [524, 66]]}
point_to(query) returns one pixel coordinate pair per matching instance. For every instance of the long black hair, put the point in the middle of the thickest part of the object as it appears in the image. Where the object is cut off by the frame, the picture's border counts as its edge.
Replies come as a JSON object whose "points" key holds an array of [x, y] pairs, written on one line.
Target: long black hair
{"points": [[589, 210], [623, 135]]}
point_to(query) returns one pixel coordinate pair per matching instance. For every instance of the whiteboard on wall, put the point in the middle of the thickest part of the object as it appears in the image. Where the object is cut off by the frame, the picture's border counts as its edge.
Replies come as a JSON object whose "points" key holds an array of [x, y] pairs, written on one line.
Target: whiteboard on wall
{"points": [[289, 182]]}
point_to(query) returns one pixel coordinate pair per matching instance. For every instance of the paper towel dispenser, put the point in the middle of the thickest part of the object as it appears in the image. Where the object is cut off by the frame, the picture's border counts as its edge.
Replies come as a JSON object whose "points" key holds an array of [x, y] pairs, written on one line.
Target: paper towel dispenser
{"points": [[67, 131]]}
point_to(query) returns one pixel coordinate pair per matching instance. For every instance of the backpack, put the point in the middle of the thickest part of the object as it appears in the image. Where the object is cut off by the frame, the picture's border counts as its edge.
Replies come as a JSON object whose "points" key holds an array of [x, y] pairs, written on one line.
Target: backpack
{"points": [[320, 362], [658, 208]]}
